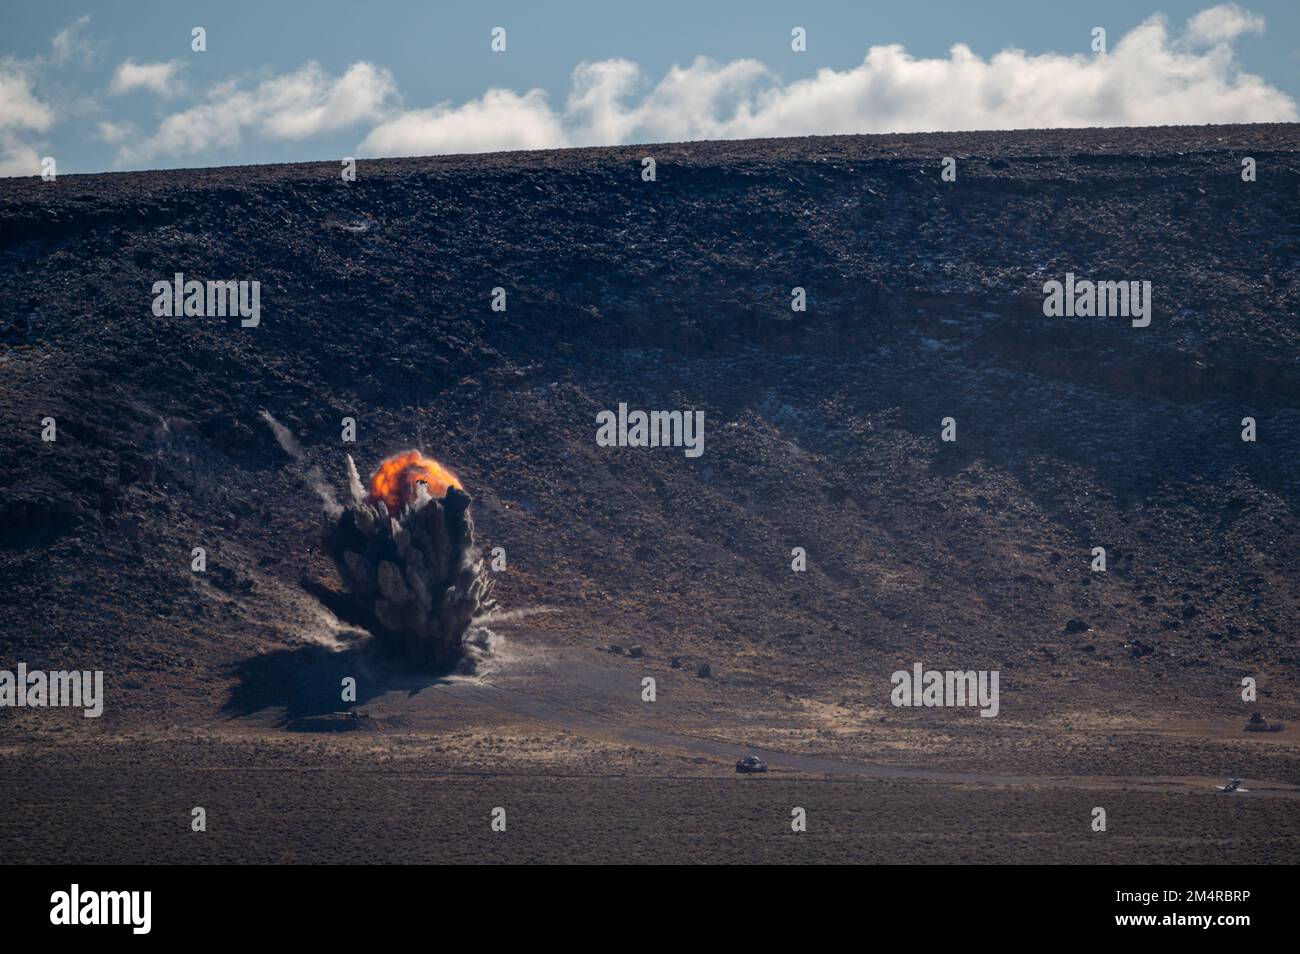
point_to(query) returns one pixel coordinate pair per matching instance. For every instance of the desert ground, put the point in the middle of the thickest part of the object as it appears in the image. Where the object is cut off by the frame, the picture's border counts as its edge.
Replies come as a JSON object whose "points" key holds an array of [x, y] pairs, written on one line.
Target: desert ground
{"points": [[1119, 689]]}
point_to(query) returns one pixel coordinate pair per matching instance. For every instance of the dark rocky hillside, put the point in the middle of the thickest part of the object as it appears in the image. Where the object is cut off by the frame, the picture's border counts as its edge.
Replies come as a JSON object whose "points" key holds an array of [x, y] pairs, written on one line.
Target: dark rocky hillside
{"points": [[822, 428]]}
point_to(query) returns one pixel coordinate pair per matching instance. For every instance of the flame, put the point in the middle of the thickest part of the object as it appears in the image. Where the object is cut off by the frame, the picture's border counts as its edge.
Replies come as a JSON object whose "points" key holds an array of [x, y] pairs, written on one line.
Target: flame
{"points": [[396, 479]]}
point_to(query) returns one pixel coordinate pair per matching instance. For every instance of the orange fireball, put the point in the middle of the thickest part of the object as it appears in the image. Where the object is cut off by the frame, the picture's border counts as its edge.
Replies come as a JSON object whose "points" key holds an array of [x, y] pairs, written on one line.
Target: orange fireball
{"points": [[395, 480]]}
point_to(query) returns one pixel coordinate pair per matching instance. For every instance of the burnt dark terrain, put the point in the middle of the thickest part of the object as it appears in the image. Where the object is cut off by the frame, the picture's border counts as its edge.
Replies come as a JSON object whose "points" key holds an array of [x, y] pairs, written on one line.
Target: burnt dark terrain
{"points": [[822, 431]]}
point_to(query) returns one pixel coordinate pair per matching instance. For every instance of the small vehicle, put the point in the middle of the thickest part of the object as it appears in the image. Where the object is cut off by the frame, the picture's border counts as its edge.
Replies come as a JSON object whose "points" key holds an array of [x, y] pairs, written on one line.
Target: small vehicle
{"points": [[1234, 785], [751, 763], [1258, 723]]}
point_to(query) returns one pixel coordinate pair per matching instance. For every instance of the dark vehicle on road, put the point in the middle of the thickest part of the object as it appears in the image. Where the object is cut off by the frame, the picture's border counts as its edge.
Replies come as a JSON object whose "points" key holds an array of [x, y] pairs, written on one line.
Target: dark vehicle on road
{"points": [[1258, 723], [751, 763]]}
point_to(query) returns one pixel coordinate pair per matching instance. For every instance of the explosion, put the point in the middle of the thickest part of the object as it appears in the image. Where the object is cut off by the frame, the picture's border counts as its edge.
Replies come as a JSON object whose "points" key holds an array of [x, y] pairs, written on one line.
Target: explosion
{"points": [[396, 479], [405, 551]]}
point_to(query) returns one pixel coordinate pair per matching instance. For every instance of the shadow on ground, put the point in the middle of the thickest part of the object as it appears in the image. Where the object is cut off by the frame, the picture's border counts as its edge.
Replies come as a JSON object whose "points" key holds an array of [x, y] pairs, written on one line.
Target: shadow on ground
{"points": [[306, 685]]}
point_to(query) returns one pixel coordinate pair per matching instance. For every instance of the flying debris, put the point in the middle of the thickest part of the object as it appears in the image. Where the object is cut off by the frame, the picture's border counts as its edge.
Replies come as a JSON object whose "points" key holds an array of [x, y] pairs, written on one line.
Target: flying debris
{"points": [[405, 550]]}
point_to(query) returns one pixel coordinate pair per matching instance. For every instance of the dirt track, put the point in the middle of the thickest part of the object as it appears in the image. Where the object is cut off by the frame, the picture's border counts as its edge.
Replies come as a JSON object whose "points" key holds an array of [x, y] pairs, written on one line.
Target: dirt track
{"points": [[417, 777], [595, 723]]}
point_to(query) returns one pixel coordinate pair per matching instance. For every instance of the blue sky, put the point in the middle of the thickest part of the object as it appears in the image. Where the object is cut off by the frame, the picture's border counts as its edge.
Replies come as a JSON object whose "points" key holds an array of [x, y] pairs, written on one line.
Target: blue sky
{"points": [[285, 81]]}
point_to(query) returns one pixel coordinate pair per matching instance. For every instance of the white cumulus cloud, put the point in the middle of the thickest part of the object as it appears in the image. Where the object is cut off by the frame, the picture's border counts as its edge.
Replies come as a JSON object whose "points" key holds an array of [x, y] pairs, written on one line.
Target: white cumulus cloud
{"points": [[19, 107], [17, 158], [499, 120], [115, 133], [1149, 77], [158, 78], [290, 106], [1222, 23], [70, 43], [21, 112]]}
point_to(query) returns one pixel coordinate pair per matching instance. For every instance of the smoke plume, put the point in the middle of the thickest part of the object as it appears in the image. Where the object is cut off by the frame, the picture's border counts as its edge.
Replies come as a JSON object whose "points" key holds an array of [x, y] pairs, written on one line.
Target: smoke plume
{"points": [[289, 444], [405, 550]]}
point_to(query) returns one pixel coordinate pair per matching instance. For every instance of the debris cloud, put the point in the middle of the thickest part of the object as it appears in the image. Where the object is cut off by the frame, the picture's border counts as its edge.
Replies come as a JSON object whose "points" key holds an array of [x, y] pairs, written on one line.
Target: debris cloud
{"points": [[404, 548]]}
